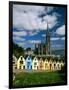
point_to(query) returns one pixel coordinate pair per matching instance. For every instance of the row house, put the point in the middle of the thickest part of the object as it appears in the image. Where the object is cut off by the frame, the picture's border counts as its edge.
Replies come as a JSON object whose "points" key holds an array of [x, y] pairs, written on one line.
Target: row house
{"points": [[35, 63]]}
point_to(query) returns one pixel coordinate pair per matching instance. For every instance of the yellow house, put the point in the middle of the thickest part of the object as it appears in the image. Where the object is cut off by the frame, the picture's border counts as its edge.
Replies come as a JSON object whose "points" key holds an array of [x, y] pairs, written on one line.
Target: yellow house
{"points": [[40, 64], [46, 65], [35, 63], [61, 64], [50, 64], [14, 62], [21, 63], [58, 65]]}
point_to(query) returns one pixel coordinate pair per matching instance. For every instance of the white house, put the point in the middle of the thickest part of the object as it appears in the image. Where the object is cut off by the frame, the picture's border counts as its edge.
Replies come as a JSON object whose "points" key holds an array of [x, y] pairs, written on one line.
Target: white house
{"points": [[35, 63], [21, 63]]}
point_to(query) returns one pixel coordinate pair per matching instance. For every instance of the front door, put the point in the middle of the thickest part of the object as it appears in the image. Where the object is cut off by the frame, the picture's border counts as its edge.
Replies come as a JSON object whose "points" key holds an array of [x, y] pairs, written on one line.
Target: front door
{"points": [[28, 65]]}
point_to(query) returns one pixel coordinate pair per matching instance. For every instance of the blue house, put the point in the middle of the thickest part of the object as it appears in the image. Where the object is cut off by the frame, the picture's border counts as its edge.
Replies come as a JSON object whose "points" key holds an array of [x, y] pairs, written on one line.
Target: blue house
{"points": [[28, 63]]}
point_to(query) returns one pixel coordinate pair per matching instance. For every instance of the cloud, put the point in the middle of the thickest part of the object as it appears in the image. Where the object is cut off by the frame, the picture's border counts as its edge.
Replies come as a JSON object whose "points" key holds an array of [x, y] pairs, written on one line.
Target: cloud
{"points": [[17, 38], [31, 33], [61, 30], [63, 38], [26, 17], [43, 35], [51, 19], [34, 41], [57, 46], [20, 33], [57, 38], [35, 9], [54, 39]]}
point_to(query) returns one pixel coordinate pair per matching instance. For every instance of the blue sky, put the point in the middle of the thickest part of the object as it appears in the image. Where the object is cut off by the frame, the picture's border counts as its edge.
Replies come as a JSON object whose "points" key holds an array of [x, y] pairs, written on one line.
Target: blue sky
{"points": [[30, 25]]}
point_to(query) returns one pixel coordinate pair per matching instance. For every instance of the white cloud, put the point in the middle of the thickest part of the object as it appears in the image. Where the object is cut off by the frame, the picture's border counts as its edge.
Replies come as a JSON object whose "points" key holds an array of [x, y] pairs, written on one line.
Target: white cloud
{"points": [[33, 32], [27, 17], [61, 30], [54, 39], [51, 19], [21, 33], [34, 41], [57, 38], [63, 38], [17, 38], [35, 9], [43, 35], [57, 46]]}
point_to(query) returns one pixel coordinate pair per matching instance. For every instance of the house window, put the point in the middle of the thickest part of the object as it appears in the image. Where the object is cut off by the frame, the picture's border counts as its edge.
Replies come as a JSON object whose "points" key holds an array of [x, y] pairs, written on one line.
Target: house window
{"points": [[13, 62], [37, 67], [23, 67], [35, 63], [35, 59], [28, 63], [34, 66], [21, 58], [50, 66], [58, 66], [41, 65], [20, 67], [31, 67], [46, 65], [54, 65], [29, 58], [21, 62], [16, 67]]}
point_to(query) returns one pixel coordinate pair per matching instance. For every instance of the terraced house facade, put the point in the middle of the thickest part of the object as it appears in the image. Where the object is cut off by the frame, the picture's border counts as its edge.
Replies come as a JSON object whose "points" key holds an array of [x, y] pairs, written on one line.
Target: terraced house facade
{"points": [[37, 63]]}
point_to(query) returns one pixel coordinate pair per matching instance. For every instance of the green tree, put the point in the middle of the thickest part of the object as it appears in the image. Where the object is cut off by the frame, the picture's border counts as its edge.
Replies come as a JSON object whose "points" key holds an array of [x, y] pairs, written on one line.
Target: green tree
{"points": [[17, 50]]}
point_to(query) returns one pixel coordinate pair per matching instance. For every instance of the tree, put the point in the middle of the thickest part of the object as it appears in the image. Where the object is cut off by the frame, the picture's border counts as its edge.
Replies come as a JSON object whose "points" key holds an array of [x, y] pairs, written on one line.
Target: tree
{"points": [[17, 50], [28, 49]]}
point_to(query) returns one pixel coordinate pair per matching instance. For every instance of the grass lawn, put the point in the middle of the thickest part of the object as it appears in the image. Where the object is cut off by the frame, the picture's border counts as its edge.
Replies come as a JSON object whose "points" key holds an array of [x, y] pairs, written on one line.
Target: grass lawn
{"points": [[38, 78]]}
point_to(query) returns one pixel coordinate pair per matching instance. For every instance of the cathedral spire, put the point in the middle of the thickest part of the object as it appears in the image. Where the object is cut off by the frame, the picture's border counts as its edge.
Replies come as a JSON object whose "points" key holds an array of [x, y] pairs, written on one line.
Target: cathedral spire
{"points": [[47, 40]]}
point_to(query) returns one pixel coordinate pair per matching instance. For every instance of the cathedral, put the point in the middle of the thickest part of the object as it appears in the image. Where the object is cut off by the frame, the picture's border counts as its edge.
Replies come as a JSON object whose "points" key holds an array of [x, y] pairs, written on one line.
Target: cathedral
{"points": [[43, 59], [44, 48]]}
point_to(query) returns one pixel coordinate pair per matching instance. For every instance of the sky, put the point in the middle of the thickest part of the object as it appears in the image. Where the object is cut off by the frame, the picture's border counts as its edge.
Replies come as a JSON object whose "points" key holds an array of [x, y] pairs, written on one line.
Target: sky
{"points": [[30, 25]]}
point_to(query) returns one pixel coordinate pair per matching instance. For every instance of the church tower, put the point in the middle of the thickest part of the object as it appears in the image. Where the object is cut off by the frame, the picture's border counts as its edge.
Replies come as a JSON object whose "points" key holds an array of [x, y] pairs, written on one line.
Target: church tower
{"points": [[48, 51]]}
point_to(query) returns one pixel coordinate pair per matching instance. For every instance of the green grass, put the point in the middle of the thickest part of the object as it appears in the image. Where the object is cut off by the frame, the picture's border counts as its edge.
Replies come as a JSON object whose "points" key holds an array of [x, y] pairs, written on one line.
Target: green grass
{"points": [[38, 78]]}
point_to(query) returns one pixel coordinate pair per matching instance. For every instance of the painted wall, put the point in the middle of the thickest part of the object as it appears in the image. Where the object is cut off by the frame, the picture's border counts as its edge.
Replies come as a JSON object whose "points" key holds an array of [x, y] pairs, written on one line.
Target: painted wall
{"points": [[40, 64], [28, 62], [35, 64], [21, 63], [46, 64]]}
